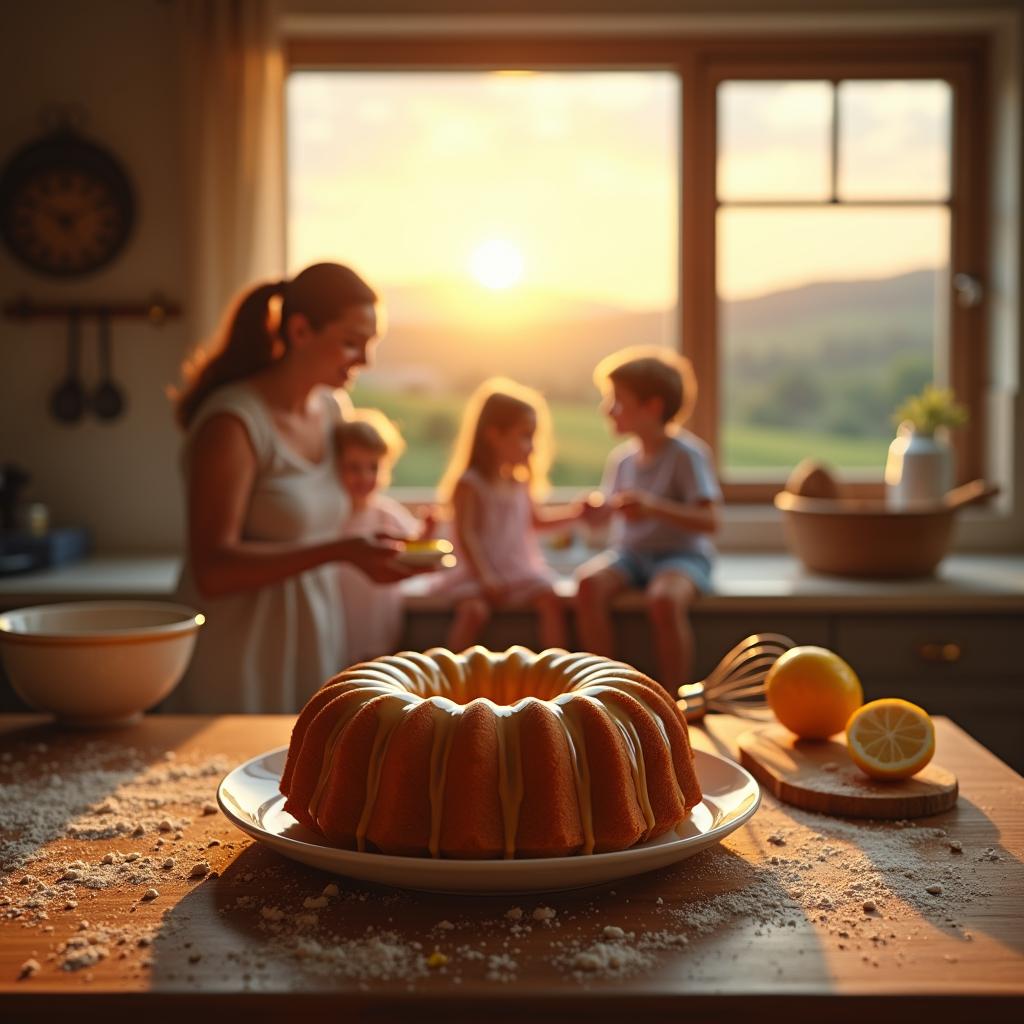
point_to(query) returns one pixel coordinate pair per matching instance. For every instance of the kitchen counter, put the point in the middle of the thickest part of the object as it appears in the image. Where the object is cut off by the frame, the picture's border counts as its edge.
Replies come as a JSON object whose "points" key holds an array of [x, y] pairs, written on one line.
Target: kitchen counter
{"points": [[744, 582], [795, 916], [106, 577], [888, 630]]}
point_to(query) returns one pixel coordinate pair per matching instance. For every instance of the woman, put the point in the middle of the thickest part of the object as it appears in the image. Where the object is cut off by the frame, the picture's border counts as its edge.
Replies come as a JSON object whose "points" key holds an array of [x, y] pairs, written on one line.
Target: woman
{"points": [[264, 505]]}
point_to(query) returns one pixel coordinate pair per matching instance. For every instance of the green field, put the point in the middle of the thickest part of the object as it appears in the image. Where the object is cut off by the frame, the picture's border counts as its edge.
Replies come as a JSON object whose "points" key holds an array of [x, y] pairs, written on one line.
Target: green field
{"points": [[746, 447], [583, 440], [429, 424]]}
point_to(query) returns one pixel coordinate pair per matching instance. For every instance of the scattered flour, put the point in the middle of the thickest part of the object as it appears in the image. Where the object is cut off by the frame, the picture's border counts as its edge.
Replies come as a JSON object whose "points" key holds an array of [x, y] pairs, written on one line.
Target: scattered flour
{"points": [[501, 967], [383, 956], [53, 821], [112, 793], [116, 822], [610, 959]]}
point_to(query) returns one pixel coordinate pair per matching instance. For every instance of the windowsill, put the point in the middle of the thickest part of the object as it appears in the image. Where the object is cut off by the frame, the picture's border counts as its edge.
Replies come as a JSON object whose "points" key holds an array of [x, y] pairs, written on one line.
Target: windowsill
{"points": [[759, 581], [758, 527], [744, 582], [988, 528]]}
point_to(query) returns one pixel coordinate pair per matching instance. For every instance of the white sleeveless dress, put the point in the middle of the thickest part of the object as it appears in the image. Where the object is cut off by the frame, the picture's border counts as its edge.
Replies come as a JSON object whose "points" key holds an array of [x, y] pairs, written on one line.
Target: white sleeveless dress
{"points": [[267, 650]]}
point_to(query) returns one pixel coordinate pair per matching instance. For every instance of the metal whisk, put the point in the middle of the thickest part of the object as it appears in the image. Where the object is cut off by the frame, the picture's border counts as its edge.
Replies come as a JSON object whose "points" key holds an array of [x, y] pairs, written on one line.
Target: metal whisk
{"points": [[736, 684]]}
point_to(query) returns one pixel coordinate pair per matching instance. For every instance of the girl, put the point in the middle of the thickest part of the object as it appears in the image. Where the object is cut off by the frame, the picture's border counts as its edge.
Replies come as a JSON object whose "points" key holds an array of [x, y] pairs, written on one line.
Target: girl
{"points": [[496, 475], [366, 447], [264, 505]]}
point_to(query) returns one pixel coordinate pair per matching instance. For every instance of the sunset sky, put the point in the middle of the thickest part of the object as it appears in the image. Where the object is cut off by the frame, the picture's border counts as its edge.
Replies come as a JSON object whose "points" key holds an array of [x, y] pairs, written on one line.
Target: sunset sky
{"points": [[565, 183]]}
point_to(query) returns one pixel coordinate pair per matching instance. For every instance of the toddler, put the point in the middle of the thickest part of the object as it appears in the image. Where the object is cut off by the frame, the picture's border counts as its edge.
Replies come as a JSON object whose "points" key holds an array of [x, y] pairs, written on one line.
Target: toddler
{"points": [[366, 447], [662, 491]]}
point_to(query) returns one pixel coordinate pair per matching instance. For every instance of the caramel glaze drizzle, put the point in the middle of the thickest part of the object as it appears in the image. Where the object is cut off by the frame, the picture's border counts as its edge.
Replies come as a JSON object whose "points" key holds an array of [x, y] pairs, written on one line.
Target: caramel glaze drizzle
{"points": [[449, 683]]}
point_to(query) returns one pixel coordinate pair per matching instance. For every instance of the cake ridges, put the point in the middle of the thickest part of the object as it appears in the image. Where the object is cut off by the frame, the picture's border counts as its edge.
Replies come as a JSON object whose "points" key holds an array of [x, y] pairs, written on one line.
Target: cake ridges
{"points": [[598, 689]]}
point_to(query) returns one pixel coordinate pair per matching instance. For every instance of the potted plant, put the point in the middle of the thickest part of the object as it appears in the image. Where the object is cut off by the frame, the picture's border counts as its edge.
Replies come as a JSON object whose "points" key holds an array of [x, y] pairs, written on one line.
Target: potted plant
{"points": [[919, 470]]}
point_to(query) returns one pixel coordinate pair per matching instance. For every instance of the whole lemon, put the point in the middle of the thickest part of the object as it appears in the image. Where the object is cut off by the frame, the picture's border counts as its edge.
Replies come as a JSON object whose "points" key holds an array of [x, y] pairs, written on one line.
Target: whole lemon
{"points": [[813, 692]]}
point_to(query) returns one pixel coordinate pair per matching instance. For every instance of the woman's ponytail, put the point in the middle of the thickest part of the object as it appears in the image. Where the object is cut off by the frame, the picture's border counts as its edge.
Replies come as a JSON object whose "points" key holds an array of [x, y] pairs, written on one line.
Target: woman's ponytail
{"points": [[320, 293], [248, 346]]}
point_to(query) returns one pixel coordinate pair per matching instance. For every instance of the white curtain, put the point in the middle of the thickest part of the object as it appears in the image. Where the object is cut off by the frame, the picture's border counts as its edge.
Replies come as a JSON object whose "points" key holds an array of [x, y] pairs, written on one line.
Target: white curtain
{"points": [[234, 151]]}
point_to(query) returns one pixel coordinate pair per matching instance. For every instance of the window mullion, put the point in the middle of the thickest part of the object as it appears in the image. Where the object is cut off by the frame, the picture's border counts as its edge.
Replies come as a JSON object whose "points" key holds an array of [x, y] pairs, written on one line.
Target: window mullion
{"points": [[834, 145], [698, 247]]}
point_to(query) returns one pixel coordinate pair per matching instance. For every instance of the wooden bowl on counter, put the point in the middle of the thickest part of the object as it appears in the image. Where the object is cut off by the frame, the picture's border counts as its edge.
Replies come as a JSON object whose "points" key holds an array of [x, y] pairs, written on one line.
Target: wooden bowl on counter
{"points": [[864, 538]]}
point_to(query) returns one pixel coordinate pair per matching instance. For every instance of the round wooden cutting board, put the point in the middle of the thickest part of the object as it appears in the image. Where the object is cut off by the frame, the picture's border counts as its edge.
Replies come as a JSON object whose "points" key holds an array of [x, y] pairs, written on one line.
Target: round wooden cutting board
{"points": [[818, 775]]}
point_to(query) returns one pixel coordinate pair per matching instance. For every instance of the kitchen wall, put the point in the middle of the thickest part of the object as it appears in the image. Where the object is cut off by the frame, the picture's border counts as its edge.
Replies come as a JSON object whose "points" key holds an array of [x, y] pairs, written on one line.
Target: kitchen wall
{"points": [[118, 60]]}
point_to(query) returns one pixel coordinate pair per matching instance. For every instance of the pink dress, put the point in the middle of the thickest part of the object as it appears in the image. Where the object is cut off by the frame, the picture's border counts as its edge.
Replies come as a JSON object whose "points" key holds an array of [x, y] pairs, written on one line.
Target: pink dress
{"points": [[374, 612], [509, 540]]}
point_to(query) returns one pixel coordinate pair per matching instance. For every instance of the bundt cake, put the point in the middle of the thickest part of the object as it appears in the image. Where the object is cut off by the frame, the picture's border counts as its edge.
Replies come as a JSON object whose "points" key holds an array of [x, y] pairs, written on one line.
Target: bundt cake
{"points": [[483, 754]]}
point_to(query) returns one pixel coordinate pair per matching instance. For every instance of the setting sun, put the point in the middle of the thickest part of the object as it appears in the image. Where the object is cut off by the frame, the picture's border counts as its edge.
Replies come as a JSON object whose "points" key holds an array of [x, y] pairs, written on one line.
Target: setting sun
{"points": [[497, 263]]}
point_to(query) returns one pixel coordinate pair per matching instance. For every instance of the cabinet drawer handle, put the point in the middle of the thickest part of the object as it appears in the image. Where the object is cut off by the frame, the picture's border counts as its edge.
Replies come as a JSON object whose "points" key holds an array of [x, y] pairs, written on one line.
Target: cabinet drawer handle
{"points": [[947, 653]]}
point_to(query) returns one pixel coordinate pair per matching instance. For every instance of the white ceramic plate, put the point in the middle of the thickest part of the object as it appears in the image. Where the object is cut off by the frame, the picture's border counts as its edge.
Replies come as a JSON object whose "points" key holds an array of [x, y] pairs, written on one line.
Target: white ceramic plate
{"points": [[249, 796]]}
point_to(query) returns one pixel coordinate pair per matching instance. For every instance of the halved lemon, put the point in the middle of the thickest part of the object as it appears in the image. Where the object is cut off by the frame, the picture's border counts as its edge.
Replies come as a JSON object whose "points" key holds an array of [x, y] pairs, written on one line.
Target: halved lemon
{"points": [[890, 738]]}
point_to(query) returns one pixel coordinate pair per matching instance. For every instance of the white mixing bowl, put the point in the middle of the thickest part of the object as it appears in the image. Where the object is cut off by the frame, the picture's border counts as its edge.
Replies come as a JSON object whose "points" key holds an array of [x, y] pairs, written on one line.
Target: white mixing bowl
{"points": [[97, 663]]}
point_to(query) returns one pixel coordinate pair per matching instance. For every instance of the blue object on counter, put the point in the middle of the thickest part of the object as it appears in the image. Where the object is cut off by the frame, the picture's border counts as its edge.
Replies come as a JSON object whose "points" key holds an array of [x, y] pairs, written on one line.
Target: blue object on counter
{"points": [[26, 552]]}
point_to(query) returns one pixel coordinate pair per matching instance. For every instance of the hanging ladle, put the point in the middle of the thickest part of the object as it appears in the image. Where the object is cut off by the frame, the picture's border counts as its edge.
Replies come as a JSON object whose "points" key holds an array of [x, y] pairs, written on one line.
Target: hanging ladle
{"points": [[108, 399], [68, 401]]}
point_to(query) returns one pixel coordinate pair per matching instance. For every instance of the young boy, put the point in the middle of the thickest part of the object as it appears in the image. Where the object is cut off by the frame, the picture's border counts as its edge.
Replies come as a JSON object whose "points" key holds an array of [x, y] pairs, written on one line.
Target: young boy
{"points": [[664, 496]]}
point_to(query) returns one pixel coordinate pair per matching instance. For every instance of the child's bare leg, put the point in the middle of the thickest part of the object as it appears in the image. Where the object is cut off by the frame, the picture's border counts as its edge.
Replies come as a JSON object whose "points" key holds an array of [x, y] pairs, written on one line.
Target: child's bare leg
{"points": [[551, 620], [593, 617], [669, 597], [471, 615]]}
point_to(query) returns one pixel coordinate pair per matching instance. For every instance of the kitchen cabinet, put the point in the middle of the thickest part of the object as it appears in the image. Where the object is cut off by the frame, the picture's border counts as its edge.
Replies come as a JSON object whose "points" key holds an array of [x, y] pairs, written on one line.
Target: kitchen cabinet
{"points": [[967, 666]]}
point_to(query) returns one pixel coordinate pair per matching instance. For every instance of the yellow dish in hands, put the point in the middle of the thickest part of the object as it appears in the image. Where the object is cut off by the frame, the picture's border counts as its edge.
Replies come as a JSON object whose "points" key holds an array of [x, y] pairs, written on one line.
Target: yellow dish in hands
{"points": [[427, 554]]}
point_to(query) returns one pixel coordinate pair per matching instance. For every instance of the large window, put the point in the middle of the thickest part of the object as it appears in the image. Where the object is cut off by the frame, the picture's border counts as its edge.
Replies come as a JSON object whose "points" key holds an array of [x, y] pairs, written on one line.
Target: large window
{"points": [[522, 224], [833, 234], [792, 214]]}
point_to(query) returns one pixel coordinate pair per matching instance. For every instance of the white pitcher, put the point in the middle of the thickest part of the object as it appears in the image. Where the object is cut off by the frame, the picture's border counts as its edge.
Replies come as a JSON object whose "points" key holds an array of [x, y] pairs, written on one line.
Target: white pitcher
{"points": [[919, 469]]}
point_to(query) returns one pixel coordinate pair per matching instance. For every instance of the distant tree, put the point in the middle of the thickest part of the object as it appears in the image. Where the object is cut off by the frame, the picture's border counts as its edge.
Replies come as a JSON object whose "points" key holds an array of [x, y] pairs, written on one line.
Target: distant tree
{"points": [[439, 428], [794, 397], [907, 376]]}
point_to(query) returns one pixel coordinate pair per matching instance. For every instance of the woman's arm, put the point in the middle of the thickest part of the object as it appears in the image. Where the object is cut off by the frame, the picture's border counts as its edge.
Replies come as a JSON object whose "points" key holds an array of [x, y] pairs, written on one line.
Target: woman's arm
{"points": [[222, 472]]}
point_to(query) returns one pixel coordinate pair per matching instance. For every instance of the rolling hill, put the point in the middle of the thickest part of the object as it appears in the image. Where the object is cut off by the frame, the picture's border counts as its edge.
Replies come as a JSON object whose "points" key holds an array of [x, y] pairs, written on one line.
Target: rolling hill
{"points": [[553, 343]]}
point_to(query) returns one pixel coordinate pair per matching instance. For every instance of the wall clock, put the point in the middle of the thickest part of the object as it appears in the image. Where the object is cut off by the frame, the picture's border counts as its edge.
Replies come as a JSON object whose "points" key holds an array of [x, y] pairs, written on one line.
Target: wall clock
{"points": [[66, 205]]}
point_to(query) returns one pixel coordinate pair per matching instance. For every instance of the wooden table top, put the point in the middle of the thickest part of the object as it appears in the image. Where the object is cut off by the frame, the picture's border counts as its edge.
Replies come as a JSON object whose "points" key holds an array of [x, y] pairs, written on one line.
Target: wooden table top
{"points": [[789, 916]]}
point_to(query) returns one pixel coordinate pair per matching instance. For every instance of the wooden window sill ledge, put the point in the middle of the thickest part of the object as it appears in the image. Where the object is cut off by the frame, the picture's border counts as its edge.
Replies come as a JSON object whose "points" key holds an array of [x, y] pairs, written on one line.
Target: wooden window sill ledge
{"points": [[744, 581]]}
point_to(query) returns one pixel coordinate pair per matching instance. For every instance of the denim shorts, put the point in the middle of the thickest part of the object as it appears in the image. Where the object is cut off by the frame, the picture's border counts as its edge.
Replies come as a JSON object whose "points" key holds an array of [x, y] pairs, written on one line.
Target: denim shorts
{"points": [[640, 567]]}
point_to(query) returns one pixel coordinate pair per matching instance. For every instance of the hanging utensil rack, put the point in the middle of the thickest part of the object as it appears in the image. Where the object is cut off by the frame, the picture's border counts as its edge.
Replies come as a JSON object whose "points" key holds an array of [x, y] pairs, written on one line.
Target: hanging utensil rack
{"points": [[157, 310]]}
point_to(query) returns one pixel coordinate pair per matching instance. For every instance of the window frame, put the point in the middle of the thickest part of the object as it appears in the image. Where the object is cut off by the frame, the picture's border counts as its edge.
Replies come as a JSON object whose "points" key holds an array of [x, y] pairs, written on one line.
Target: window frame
{"points": [[701, 62]]}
